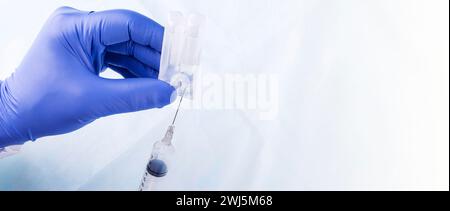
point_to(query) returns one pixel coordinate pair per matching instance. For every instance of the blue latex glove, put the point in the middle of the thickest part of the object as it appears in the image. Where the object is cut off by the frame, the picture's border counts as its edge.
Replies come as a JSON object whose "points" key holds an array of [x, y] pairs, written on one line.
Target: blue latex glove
{"points": [[57, 90]]}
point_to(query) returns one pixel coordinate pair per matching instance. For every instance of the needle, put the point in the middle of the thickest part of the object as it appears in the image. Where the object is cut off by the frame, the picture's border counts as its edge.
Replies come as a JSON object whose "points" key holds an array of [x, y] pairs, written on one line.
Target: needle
{"points": [[176, 113]]}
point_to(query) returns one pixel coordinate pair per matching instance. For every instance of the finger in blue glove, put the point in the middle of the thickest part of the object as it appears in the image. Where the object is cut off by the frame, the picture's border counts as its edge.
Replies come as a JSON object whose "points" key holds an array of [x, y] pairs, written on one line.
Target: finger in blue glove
{"points": [[57, 88]]}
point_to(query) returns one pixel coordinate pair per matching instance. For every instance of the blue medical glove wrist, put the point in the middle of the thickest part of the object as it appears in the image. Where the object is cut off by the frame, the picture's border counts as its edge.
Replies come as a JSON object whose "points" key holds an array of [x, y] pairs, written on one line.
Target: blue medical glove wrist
{"points": [[57, 88], [8, 132]]}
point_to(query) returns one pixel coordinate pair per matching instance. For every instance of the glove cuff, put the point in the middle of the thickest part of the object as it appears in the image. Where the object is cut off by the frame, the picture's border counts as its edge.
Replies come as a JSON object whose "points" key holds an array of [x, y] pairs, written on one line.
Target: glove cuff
{"points": [[8, 133]]}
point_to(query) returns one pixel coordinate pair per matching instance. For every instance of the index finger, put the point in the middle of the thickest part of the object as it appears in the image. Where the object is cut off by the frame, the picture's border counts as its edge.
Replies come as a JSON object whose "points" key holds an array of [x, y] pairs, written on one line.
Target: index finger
{"points": [[116, 26]]}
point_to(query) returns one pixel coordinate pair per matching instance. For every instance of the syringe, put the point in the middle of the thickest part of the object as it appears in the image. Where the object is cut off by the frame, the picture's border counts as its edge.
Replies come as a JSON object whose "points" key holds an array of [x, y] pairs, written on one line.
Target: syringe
{"points": [[160, 158]]}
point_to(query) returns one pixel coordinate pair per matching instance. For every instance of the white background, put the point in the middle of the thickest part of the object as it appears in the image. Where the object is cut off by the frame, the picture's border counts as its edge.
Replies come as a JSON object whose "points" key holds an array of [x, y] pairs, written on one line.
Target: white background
{"points": [[363, 101]]}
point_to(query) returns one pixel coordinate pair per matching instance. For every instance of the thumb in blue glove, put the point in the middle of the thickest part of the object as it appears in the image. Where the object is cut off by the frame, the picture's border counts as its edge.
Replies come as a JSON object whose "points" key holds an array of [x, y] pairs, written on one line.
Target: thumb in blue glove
{"points": [[57, 90]]}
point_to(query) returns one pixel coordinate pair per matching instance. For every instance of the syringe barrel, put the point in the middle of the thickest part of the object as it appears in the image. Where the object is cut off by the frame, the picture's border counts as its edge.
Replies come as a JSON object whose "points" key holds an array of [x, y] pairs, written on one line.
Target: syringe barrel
{"points": [[158, 166], [154, 174]]}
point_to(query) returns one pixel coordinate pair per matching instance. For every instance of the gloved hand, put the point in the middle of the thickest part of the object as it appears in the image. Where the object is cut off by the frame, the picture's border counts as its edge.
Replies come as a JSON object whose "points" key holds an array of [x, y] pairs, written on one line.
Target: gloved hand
{"points": [[56, 89]]}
